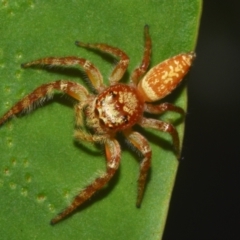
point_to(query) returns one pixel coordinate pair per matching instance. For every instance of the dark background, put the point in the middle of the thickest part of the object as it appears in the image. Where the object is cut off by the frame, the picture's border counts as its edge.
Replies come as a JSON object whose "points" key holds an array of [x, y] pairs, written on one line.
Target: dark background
{"points": [[206, 197]]}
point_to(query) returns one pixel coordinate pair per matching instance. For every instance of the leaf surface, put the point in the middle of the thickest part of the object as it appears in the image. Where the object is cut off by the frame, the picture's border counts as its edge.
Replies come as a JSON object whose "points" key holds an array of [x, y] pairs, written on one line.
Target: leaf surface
{"points": [[41, 166]]}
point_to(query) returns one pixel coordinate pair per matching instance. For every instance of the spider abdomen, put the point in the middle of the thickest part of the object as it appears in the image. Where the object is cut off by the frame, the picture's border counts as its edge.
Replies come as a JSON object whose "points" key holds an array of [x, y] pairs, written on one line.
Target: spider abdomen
{"points": [[164, 77], [119, 107]]}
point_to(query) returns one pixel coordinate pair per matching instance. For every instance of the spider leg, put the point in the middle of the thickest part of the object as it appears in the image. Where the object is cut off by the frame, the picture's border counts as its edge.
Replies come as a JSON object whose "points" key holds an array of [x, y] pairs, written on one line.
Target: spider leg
{"points": [[142, 68], [112, 150], [79, 114], [81, 135], [121, 66], [92, 72], [43, 92], [140, 143], [164, 127], [162, 107]]}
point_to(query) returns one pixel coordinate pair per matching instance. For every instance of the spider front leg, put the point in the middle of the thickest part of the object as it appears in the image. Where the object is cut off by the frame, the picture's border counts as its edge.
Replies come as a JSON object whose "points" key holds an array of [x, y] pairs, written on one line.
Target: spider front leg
{"points": [[141, 144], [142, 68], [121, 66], [44, 92], [92, 72], [164, 127], [113, 151]]}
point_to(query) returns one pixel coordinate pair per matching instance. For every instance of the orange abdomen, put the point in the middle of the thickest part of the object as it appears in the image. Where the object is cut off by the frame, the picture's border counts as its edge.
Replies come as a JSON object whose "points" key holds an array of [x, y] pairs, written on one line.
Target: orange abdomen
{"points": [[164, 77]]}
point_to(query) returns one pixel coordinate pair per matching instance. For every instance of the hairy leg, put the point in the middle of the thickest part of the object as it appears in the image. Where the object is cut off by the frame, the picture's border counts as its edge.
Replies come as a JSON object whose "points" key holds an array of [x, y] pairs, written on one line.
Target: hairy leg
{"points": [[161, 108], [43, 92], [92, 72], [121, 66], [164, 127], [82, 135], [141, 144], [142, 68], [112, 150]]}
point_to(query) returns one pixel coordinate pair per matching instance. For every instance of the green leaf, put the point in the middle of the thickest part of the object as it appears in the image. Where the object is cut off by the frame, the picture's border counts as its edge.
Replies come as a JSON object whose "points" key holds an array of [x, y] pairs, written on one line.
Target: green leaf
{"points": [[41, 166]]}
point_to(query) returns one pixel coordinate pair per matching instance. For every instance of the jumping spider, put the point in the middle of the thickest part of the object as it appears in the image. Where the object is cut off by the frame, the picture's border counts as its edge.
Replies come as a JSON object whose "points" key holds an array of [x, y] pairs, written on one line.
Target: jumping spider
{"points": [[115, 108]]}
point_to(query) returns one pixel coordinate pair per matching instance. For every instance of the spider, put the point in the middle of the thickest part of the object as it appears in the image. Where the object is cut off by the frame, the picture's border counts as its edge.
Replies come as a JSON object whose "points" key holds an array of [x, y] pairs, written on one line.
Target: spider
{"points": [[114, 108]]}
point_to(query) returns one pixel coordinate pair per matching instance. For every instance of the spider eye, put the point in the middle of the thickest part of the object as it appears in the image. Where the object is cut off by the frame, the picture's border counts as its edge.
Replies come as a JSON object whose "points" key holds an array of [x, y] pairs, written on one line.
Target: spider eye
{"points": [[101, 122], [113, 94], [125, 118], [96, 112]]}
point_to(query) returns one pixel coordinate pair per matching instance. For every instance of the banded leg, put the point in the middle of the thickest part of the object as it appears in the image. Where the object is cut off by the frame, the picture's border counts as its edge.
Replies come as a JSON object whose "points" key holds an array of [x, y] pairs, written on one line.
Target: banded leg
{"points": [[163, 107], [164, 127], [79, 114], [112, 149], [142, 68], [92, 72], [82, 135], [42, 93], [121, 66], [140, 143]]}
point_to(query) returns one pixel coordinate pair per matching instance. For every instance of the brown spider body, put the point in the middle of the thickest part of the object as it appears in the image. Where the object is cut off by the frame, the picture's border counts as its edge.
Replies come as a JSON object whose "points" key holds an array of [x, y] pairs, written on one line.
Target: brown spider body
{"points": [[115, 108]]}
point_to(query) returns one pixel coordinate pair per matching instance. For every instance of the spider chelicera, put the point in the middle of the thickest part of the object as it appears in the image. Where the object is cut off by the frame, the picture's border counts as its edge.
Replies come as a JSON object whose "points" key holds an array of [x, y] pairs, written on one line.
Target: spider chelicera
{"points": [[114, 108]]}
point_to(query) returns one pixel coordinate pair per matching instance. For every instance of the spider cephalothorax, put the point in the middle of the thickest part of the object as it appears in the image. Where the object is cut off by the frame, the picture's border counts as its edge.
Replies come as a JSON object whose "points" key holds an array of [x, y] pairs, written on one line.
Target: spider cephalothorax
{"points": [[115, 108]]}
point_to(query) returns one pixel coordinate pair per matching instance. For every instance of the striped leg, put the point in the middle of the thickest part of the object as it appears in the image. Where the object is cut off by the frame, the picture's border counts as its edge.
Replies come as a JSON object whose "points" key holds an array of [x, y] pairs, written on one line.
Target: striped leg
{"points": [[42, 93], [162, 107], [112, 150], [142, 68], [164, 127], [92, 72], [121, 66], [140, 143]]}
